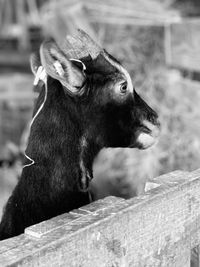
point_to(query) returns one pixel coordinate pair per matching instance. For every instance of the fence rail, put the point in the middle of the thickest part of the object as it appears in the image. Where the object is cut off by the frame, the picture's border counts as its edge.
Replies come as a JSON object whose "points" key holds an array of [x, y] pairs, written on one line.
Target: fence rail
{"points": [[158, 228]]}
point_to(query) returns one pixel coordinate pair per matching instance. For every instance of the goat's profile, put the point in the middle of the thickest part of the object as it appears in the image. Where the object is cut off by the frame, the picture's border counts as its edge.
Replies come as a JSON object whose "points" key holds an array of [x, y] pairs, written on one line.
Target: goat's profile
{"points": [[87, 102]]}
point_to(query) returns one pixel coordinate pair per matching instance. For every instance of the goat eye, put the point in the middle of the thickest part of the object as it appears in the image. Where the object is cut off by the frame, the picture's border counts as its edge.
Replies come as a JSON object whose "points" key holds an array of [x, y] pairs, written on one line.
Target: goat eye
{"points": [[123, 88]]}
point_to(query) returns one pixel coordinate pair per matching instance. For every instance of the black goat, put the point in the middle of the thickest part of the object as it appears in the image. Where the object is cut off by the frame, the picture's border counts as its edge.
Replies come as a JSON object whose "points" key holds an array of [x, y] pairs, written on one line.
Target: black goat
{"points": [[87, 102]]}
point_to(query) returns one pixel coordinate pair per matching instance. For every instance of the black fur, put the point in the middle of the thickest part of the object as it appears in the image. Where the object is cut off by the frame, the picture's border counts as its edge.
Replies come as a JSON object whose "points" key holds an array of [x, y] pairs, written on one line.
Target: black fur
{"points": [[53, 184]]}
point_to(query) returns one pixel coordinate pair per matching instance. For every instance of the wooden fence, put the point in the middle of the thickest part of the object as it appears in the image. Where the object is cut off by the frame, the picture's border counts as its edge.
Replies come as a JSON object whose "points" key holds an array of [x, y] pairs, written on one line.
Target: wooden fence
{"points": [[158, 228]]}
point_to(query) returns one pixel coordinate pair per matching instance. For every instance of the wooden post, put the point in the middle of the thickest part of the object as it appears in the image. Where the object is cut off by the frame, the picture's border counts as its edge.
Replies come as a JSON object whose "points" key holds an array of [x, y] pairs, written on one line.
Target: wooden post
{"points": [[167, 43]]}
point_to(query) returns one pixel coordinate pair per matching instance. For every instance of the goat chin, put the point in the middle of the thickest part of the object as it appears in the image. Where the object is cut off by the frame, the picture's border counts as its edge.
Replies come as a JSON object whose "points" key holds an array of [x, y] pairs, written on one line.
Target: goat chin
{"points": [[145, 140]]}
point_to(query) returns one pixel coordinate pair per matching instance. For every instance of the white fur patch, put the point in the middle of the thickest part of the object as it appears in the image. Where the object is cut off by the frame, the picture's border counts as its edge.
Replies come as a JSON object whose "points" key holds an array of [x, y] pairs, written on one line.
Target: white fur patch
{"points": [[59, 69], [128, 78], [146, 140], [83, 143], [122, 70], [40, 75]]}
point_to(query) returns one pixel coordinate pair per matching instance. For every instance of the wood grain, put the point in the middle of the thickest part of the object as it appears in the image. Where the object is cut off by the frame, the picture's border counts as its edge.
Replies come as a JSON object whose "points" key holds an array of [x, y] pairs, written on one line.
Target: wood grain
{"points": [[158, 228], [45, 227]]}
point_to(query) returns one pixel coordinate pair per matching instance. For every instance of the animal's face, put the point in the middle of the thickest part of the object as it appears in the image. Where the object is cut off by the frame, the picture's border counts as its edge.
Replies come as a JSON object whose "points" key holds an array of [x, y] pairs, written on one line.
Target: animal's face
{"points": [[112, 113], [115, 114]]}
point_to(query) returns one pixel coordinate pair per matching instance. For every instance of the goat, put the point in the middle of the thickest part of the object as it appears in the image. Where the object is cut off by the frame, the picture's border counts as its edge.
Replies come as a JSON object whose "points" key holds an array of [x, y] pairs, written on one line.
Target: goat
{"points": [[87, 102]]}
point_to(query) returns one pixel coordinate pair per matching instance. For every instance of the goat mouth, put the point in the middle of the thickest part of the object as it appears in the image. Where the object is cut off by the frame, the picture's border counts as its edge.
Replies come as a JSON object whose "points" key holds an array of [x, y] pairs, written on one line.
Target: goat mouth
{"points": [[147, 135], [145, 141]]}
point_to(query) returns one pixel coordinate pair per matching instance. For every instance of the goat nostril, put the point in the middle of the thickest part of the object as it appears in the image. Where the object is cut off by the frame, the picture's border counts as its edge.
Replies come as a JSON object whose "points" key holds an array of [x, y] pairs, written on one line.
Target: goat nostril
{"points": [[154, 120], [149, 124]]}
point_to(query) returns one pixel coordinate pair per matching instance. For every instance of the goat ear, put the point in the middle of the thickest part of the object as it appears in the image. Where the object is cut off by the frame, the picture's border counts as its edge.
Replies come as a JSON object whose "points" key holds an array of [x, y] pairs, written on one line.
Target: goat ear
{"points": [[58, 66], [35, 62]]}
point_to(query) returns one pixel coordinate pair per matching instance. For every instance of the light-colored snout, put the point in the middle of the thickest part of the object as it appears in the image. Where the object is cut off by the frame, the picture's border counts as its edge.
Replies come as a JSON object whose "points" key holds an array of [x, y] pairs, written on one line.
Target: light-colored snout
{"points": [[149, 134]]}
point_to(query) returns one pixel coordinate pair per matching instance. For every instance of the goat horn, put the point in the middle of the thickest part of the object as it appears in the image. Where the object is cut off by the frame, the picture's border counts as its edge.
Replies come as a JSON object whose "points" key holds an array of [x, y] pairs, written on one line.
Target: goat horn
{"points": [[93, 48], [81, 46]]}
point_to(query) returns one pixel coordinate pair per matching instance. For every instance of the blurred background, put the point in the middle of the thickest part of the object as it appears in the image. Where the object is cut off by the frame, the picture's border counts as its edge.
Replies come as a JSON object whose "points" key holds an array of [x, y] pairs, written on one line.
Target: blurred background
{"points": [[158, 41]]}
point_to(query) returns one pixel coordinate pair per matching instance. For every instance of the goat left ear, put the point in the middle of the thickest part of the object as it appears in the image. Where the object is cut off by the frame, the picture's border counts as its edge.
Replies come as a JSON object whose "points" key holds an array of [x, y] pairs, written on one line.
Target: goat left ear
{"points": [[58, 66]]}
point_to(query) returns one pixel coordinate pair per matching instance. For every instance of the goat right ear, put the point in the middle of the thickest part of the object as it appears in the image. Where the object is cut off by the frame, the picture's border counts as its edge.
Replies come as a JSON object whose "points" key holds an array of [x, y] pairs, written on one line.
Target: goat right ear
{"points": [[58, 66]]}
